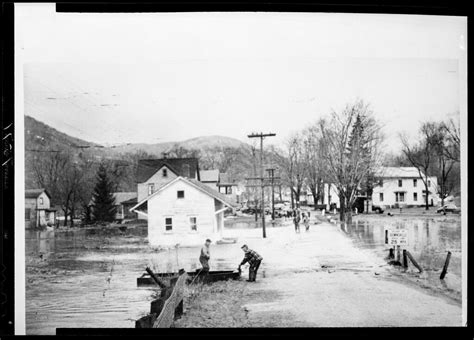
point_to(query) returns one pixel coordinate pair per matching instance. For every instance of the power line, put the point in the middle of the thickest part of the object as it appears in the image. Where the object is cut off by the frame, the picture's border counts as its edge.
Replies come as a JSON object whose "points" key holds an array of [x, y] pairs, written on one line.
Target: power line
{"points": [[262, 136]]}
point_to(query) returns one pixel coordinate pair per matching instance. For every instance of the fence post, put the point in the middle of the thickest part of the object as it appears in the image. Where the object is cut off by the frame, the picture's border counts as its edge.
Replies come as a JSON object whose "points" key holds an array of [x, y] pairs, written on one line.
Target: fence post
{"points": [[446, 264], [405, 259], [413, 261], [157, 280]]}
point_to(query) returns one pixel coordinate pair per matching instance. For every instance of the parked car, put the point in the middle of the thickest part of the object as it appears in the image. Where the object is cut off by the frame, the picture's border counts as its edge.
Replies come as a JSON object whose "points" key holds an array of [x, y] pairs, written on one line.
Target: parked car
{"points": [[378, 209], [449, 207]]}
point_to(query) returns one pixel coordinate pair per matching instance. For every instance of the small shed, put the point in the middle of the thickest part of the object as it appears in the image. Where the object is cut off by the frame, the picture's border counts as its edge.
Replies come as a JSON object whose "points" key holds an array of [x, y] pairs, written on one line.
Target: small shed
{"points": [[38, 212]]}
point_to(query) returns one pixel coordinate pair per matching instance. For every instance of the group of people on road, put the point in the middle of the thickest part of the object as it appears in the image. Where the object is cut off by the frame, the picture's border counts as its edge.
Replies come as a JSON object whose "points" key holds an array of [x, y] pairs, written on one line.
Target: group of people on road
{"points": [[301, 217], [250, 256]]}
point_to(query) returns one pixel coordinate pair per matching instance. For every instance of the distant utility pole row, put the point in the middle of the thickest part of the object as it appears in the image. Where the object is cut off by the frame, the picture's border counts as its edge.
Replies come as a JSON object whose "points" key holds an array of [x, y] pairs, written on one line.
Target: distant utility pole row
{"points": [[262, 136]]}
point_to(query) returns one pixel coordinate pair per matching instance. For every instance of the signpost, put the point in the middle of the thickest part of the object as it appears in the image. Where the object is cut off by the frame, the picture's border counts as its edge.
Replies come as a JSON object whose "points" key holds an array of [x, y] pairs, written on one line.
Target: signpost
{"points": [[396, 238]]}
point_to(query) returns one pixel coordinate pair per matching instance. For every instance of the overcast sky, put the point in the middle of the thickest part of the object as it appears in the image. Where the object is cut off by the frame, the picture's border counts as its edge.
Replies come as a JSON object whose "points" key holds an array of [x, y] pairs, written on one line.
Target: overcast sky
{"points": [[118, 78]]}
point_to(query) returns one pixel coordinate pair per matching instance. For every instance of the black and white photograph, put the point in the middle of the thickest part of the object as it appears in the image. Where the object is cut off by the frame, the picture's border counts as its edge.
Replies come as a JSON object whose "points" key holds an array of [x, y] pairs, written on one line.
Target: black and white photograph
{"points": [[239, 170]]}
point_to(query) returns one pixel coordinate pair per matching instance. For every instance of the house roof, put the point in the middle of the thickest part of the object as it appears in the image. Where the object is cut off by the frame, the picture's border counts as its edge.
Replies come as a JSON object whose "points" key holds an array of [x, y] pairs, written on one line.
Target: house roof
{"points": [[148, 167], [121, 197], [226, 179], [34, 193], [198, 185], [211, 192], [130, 201], [397, 172], [209, 175]]}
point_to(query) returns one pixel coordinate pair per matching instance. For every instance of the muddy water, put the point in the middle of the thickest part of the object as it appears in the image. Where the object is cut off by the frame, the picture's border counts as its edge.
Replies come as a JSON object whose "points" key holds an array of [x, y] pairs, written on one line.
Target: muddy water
{"points": [[429, 240], [87, 278]]}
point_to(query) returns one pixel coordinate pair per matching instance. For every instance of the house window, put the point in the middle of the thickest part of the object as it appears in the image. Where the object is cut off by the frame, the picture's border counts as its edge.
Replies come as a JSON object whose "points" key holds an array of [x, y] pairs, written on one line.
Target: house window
{"points": [[168, 223], [41, 201], [381, 197], [228, 190], [180, 193], [151, 188], [399, 197], [193, 223], [414, 183], [27, 214], [165, 172], [415, 196], [399, 182]]}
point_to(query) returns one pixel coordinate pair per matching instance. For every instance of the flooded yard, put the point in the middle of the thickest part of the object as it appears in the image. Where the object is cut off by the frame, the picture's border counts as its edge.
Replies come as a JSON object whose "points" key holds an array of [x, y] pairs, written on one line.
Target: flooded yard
{"points": [[87, 277], [429, 240]]}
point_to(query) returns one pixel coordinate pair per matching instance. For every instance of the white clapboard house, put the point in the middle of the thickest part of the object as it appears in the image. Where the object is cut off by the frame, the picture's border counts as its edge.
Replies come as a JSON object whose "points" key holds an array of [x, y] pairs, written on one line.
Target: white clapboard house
{"points": [[183, 211], [403, 186]]}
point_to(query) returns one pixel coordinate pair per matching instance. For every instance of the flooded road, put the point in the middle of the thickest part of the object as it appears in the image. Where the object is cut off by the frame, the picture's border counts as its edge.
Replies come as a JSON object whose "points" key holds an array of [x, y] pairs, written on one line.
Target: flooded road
{"points": [[429, 240], [87, 277]]}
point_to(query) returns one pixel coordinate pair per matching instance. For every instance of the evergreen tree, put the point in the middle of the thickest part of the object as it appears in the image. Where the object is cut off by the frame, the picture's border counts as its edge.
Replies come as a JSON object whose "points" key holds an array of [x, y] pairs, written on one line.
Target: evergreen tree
{"points": [[103, 200]]}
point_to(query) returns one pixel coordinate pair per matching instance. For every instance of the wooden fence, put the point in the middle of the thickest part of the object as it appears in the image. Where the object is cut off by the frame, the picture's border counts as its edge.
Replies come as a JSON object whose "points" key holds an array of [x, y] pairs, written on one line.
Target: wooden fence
{"points": [[169, 306]]}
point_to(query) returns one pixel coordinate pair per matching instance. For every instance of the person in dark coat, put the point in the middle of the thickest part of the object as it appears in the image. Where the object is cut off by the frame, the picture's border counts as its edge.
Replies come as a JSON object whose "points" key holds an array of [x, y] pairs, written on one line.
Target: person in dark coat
{"points": [[254, 260]]}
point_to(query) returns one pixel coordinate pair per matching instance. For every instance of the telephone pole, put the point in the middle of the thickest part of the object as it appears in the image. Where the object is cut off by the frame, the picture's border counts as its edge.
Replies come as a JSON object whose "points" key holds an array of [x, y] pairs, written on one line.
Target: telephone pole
{"points": [[271, 174], [262, 136]]}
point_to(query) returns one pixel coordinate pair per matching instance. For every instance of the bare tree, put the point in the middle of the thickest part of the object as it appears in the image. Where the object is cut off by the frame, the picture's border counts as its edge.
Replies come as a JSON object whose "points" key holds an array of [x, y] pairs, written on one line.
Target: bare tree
{"points": [[296, 167], [421, 154], [62, 176], [313, 162], [350, 149], [453, 139]]}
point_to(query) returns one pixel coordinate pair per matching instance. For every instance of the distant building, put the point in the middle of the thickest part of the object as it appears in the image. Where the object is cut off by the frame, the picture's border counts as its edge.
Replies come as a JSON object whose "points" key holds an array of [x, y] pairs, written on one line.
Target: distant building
{"points": [[229, 187], [183, 211], [153, 173], [329, 197], [124, 201], [403, 186], [37, 209], [210, 178]]}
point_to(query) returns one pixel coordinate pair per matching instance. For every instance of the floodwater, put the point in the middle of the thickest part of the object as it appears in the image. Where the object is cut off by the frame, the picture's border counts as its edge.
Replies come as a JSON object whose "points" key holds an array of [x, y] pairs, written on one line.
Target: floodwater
{"points": [[429, 240], [87, 277]]}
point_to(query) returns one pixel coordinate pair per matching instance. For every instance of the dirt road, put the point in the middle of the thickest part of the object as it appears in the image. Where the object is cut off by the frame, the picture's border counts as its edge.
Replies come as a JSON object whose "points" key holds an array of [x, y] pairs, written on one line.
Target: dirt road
{"points": [[318, 279]]}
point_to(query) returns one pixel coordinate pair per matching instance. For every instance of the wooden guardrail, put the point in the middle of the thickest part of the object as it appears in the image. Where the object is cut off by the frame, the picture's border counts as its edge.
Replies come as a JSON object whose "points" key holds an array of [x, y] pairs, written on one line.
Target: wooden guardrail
{"points": [[169, 306]]}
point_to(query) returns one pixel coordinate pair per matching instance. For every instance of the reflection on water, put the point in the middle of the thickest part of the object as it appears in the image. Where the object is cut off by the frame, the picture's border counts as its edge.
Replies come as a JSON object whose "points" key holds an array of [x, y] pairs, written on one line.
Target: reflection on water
{"points": [[429, 240], [87, 278]]}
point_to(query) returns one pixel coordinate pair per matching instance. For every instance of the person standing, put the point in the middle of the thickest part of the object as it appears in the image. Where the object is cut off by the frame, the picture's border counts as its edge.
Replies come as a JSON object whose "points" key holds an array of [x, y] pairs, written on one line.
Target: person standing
{"points": [[205, 256], [254, 260], [306, 220], [296, 220]]}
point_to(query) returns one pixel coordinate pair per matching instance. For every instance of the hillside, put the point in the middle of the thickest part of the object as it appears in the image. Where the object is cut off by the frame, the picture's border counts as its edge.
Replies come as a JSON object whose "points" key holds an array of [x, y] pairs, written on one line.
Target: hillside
{"points": [[42, 136], [214, 152]]}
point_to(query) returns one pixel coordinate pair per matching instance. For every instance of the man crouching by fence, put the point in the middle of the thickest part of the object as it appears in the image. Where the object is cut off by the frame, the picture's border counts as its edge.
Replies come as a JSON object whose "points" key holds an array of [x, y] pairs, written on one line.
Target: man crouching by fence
{"points": [[254, 260]]}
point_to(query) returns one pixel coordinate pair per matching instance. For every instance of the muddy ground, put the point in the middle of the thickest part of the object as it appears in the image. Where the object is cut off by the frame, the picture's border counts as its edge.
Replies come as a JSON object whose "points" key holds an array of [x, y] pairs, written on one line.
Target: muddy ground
{"points": [[320, 279]]}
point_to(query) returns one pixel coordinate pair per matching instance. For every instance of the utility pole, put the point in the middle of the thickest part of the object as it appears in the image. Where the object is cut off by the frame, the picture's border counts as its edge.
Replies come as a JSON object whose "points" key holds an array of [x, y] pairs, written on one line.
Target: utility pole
{"points": [[272, 178], [262, 136]]}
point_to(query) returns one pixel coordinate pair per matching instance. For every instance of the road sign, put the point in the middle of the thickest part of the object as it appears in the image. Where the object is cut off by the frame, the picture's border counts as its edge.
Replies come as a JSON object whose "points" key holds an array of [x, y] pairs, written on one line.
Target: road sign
{"points": [[397, 237]]}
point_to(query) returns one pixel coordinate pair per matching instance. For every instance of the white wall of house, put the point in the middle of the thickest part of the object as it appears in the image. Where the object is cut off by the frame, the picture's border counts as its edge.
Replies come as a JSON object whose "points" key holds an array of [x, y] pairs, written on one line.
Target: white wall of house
{"points": [[330, 195], [34, 213], [157, 180], [166, 204], [410, 191]]}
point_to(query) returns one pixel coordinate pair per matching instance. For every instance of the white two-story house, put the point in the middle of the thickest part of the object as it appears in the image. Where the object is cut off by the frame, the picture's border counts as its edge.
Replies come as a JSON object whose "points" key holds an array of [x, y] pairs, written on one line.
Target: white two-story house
{"points": [[403, 186], [153, 173]]}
